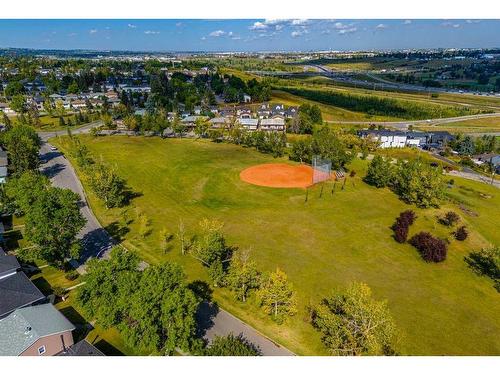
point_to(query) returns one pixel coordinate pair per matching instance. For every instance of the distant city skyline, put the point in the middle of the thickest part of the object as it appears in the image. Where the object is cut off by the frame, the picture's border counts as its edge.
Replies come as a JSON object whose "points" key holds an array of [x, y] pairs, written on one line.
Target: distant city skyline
{"points": [[248, 35]]}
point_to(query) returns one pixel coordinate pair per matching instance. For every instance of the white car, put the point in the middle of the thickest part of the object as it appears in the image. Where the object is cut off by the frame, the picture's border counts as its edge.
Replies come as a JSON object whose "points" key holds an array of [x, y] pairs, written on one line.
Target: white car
{"points": [[53, 148]]}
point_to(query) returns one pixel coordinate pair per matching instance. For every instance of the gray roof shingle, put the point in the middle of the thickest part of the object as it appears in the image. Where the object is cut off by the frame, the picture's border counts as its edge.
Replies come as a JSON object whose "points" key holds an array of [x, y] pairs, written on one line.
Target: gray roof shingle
{"points": [[25, 326], [82, 348], [17, 291]]}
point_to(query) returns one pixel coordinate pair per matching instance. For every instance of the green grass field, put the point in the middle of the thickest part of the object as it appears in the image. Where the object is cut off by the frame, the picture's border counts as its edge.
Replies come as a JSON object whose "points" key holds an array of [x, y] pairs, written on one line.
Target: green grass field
{"points": [[480, 125], [323, 244]]}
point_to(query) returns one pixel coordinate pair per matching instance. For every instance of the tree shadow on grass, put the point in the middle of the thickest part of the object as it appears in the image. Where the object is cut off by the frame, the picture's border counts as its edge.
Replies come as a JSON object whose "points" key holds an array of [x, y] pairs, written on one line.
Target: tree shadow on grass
{"points": [[117, 230], [11, 239], [83, 327], [106, 348], [43, 285]]}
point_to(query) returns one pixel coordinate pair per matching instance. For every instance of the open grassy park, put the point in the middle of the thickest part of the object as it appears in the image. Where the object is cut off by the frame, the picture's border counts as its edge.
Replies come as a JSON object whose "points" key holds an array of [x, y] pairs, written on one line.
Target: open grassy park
{"points": [[322, 244]]}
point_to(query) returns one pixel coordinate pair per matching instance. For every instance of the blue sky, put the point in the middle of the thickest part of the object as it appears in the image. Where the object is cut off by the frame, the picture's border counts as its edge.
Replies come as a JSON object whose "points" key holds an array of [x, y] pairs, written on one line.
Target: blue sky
{"points": [[248, 35]]}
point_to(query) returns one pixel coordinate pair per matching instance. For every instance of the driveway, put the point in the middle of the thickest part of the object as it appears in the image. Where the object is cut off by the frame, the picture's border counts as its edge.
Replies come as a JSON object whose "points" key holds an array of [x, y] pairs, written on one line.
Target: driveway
{"points": [[98, 243]]}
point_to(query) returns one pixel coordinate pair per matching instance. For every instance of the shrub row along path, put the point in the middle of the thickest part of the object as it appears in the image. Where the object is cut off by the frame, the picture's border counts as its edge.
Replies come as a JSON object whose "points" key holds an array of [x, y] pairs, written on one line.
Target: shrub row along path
{"points": [[97, 242]]}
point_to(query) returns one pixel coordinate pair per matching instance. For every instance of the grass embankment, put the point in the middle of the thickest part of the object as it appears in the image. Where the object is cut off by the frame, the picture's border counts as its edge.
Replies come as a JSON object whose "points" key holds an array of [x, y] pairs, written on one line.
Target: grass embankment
{"points": [[375, 105], [480, 125], [324, 244]]}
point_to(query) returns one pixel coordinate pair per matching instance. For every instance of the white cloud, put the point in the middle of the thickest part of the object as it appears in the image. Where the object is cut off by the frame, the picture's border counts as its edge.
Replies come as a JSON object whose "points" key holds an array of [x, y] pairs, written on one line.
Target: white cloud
{"points": [[132, 26], [203, 38], [259, 26], [179, 24], [217, 33], [472, 21], [151, 32], [450, 24], [343, 28], [348, 31], [300, 22], [92, 31], [407, 22], [72, 34], [297, 33], [381, 26]]}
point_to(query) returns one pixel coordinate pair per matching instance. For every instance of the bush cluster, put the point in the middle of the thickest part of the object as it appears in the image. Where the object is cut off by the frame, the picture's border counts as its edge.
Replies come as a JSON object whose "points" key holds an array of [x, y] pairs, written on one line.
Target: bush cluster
{"points": [[402, 225], [461, 234], [431, 249], [449, 219]]}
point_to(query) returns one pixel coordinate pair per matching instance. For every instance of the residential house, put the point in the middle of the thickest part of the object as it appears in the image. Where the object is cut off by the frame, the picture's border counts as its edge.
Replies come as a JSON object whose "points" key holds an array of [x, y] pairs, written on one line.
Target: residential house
{"points": [[250, 124], [219, 122], [81, 349], [439, 138], [263, 111], [34, 331], [491, 158], [275, 123], [291, 112], [386, 138], [8, 265], [278, 110], [79, 104], [16, 289], [190, 121]]}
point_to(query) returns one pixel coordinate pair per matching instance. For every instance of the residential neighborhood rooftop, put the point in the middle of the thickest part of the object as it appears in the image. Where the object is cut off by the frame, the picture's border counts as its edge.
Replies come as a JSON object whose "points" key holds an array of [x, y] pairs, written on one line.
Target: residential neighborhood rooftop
{"points": [[26, 325]]}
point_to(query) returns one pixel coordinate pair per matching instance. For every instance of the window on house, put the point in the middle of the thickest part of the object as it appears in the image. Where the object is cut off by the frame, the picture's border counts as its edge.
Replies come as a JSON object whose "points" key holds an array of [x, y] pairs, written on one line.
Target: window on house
{"points": [[41, 350]]}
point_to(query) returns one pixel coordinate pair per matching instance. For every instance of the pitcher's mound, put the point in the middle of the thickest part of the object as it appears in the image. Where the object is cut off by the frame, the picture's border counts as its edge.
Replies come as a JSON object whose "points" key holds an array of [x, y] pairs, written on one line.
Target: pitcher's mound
{"points": [[278, 175]]}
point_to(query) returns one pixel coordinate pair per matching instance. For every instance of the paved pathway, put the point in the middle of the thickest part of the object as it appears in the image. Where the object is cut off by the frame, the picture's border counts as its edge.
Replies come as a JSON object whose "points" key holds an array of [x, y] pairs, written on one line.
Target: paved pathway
{"points": [[97, 243]]}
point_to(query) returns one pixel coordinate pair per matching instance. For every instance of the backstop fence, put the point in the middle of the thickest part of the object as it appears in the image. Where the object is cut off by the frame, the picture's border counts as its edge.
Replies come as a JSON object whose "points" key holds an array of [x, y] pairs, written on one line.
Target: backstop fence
{"points": [[321, 169]]}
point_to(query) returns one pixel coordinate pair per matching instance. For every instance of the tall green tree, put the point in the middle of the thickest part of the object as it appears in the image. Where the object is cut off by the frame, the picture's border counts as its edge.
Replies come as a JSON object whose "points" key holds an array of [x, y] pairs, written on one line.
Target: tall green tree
{"points": [[231, 345], [154, 309], [162, 312], [277, 297], [107, 185], [329, 146], [242, 276], [380, 172], [52, 223], [25, 189], [211, 249], [22, 144], [419, 183], [353, 323]]}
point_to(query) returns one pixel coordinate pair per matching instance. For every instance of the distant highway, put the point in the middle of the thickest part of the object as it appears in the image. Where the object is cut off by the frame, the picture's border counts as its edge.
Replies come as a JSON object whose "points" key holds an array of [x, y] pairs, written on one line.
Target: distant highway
{"points": [[382, 84], [429, 122]]}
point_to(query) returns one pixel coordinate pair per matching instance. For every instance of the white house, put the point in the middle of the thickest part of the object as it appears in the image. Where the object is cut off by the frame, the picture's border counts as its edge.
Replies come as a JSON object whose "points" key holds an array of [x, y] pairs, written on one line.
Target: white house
{"points": [[249, 124], [275, 123]]}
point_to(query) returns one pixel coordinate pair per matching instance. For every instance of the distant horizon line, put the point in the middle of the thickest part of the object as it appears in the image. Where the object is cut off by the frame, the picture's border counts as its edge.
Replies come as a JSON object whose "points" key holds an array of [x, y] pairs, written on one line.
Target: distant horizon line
{"points": [[249, 51]]}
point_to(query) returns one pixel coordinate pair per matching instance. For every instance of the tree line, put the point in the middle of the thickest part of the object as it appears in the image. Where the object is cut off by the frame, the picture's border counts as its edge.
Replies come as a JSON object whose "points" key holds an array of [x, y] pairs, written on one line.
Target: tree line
{"points": [[374, 105]]}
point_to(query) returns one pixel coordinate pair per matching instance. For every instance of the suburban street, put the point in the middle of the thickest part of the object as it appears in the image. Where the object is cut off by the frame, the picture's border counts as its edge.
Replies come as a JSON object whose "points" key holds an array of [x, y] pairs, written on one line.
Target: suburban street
{"points": [[98, 243]]}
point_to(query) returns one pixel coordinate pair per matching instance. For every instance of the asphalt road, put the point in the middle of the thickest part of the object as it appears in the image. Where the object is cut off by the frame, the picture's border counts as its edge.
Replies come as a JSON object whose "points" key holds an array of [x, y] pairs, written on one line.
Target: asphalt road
{"points": [[98, 243]]}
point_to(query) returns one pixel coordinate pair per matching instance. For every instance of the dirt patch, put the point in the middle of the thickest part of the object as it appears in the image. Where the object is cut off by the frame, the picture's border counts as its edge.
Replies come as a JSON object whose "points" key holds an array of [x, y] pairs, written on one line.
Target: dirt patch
{"points": [[278, 175]]}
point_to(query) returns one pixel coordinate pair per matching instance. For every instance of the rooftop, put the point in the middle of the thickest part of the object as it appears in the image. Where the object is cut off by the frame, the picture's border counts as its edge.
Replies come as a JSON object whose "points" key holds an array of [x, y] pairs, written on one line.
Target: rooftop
{"points": [[25, 326], [17, 291]]}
